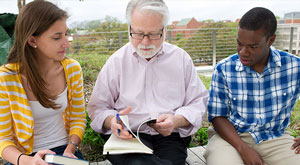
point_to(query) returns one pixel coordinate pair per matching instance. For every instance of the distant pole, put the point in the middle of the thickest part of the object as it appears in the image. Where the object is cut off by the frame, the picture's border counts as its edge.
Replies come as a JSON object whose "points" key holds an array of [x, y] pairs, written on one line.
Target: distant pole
{"points": [[120, 39], [214, 48], [291, 40], [170, 36]]}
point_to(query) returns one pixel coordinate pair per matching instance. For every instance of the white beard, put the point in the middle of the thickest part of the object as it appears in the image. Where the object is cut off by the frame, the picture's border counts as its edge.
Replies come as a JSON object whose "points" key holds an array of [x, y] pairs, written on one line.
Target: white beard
{"points": [[147, 54]]}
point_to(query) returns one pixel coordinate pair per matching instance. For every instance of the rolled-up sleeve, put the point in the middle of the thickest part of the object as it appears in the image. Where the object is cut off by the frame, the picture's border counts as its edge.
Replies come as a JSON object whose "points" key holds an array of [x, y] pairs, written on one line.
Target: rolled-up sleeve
{"points": [[195, 101], [102, 101]]}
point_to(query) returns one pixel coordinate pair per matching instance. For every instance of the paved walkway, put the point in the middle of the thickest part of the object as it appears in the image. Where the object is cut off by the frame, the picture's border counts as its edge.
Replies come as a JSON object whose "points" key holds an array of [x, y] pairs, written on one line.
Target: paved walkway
{"points": [[205, 70], [208, 68]]}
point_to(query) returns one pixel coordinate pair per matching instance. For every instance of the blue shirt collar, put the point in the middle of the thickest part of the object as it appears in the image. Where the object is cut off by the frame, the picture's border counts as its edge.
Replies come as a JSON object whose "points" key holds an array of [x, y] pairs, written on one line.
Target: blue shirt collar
{"points": [[274, 61]]}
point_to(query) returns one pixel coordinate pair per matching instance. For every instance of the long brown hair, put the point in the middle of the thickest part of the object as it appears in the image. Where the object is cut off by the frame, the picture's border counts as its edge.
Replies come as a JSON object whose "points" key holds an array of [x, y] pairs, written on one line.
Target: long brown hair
{"points": [[34, 19]]}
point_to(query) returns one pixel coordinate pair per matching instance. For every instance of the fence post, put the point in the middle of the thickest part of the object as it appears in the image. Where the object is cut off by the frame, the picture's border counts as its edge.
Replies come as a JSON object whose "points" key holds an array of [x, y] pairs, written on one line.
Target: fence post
{"points": [[214, 48], [120, 39], [291, 40], [170, 36]]}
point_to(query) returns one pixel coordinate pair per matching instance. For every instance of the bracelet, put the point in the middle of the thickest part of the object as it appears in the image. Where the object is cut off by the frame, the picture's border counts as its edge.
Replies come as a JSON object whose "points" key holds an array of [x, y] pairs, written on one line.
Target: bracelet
{"points": [[76, 145], [18, 160]]}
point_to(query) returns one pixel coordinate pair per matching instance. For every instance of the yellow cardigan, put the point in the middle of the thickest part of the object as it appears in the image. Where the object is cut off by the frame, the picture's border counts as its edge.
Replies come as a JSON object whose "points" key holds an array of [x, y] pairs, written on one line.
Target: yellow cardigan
{"points": [[16, 119]]}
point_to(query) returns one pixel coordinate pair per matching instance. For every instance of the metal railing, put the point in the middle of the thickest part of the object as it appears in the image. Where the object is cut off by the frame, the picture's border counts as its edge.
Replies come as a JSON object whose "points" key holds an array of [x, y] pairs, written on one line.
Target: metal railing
{"points": [[205, 46], [288, 38]]}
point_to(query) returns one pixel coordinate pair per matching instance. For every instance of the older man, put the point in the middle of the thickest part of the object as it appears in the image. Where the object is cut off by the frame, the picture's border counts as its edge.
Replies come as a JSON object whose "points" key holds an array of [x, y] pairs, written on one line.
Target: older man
{"points": [[149, 79], [252, 95]]}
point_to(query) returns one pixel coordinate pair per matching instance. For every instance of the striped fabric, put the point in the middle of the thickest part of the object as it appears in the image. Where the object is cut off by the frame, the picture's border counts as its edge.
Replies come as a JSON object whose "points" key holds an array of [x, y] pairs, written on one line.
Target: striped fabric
{"points": [[260, 104], [16, 119]]}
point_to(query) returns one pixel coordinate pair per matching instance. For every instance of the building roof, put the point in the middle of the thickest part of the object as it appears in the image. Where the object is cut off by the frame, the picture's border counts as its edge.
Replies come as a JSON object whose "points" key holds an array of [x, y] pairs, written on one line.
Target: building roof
{"points": [[184, 22], [292, 15]]}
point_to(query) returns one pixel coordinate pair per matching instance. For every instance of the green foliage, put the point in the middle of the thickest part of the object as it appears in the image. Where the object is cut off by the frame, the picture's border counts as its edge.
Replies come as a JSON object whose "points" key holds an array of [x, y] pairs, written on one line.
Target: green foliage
{"points": [[179, 36], [91, 137], [294, 126], [111, 24], [90, 64], [93, 144], [205, 80], [84, 25], [200, 44], [200, 138], [100, 37]]}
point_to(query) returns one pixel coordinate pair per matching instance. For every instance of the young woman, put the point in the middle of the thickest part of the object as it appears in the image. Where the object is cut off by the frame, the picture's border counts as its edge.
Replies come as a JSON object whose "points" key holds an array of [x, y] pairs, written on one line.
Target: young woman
{"points": [[41, 90]]}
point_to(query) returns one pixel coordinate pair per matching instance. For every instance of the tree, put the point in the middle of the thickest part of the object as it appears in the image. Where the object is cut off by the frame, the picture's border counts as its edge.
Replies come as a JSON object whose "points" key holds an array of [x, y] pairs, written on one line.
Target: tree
{"points": [[101, 36], [21, 3]]}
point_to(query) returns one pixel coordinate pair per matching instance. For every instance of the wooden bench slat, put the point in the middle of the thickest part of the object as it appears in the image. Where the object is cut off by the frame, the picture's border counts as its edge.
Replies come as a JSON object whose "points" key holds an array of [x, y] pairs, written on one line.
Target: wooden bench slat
{"points": [[106, 162], [195, 156]]}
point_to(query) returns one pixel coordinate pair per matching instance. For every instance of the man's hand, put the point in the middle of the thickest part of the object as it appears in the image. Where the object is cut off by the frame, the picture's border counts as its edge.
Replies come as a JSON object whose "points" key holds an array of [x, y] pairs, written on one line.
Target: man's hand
{"points": [[165, 124], [115, 126], [296, 145], [250, 156]]}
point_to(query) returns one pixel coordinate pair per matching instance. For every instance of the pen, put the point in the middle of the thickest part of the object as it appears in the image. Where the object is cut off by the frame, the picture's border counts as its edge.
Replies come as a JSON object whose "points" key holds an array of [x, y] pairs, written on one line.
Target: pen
{"points": [[118, 121]]}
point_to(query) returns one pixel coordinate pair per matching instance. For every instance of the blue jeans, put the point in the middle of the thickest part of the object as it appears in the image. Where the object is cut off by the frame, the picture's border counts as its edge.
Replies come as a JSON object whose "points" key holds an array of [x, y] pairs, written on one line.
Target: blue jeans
{"points": [[59, 151]]}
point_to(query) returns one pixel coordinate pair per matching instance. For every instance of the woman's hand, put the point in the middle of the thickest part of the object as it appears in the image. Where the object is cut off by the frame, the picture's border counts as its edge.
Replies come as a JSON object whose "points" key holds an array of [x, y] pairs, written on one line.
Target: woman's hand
{"points": [[69, 154], [37, 159]]}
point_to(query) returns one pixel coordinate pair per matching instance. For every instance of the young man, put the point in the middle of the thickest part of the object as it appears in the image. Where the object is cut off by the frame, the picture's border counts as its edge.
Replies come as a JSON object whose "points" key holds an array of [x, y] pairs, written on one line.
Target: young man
{"points": [[149, 79], [252, 95]]}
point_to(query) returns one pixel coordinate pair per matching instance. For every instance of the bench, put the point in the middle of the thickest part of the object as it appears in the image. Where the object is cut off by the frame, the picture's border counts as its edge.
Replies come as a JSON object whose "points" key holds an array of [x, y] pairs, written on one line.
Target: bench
{"points": [[195, 157]]}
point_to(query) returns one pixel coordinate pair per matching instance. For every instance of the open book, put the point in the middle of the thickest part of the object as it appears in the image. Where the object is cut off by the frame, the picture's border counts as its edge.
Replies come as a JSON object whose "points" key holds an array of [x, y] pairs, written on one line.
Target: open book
{"points": [[115, 145], [59, 159]]}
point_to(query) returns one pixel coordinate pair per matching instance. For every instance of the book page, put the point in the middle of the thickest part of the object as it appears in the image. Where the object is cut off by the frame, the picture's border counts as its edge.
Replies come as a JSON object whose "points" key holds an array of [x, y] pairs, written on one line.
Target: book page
{"points": [[146, 121], [59, 159], [115, 145], [125, 121]]}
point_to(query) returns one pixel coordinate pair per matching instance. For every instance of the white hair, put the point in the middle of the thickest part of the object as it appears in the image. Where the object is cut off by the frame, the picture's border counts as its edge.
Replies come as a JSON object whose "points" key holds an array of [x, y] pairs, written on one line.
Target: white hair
{"points": [[152, 6]]}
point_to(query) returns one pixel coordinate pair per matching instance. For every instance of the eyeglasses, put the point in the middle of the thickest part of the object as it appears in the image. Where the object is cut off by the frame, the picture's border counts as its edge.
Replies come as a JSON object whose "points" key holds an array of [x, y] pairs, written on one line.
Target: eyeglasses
{"points": [[140, 36]]}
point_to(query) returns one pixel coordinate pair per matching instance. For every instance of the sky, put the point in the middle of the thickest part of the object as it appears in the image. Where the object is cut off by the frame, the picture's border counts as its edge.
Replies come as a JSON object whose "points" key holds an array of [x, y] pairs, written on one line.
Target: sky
{"points": [[179, 9]]}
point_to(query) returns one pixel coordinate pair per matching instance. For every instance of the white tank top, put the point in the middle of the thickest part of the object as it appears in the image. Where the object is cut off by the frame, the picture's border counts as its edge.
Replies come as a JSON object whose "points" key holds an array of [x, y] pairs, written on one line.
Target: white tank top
{"points": [[49, 129]]}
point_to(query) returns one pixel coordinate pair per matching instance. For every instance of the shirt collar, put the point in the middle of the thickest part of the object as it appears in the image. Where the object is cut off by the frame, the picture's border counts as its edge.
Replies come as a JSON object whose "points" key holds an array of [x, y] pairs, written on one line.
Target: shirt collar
{"points": [[274, 61]]}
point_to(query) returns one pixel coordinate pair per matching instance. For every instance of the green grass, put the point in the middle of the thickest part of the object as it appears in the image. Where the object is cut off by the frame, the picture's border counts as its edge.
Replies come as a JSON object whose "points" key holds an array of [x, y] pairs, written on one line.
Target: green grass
{"points": [[294, 126], [90, 64], [206, 80]]}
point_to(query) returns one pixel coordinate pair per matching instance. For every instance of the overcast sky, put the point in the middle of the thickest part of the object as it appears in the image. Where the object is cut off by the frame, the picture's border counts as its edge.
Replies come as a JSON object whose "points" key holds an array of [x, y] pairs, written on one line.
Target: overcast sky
{"points": [[179, 9]]}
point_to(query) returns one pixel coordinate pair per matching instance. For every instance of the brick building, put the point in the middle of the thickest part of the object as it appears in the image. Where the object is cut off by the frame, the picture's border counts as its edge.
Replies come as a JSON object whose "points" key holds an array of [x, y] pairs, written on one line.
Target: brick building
{"points": [[182, 26]]}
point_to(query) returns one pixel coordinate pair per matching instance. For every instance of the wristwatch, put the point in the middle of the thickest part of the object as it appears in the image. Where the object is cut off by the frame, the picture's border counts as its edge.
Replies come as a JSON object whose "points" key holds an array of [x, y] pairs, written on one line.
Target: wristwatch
{"points": [[76, 145]]}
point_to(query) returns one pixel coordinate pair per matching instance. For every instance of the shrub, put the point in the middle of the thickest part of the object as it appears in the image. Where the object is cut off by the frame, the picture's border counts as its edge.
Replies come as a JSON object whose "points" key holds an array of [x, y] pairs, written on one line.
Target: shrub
{"points": [[92, 144], [200, 138]]}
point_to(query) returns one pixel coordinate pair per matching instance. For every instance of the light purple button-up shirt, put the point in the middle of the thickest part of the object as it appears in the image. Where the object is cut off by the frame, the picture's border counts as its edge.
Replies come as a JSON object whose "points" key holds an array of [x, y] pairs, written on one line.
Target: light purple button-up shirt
{"points": [[167, 84]]}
